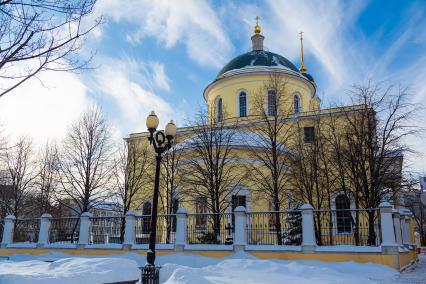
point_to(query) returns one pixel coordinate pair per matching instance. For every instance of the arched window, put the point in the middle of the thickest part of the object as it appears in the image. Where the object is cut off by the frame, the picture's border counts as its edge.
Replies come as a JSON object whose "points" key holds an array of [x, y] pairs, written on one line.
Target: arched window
{"points": [[219, 110], [146, 221], [343, 214], [297, 106], [272, 103], [242, 103]]}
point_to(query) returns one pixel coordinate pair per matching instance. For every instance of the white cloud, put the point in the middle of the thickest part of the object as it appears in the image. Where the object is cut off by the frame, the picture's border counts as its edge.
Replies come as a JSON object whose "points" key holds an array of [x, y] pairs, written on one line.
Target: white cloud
{"points": [[132, 87], [191, 22], [159, 76], [44, 111]]}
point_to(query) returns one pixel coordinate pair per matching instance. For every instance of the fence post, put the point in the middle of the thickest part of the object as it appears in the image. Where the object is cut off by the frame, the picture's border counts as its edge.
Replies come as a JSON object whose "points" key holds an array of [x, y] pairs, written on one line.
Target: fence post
{"points": [[411, 231], [83, 237], [308, 229], [181, 229], [9, 224], [129, 230], [43, 235], [389, 246], [240, 228], [397, 225], [404, 227]]}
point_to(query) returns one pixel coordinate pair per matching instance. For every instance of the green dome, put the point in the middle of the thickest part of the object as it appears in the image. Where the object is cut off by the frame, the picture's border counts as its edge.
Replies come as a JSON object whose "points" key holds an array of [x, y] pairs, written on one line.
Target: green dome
{"points": [[258, 58]]}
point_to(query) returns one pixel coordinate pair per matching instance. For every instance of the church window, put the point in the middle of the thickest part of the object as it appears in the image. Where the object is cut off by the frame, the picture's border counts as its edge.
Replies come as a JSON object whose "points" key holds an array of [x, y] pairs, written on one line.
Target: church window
{"points": [[200, 208], [272, 103], [242, 101], [219, 111], [237, 200], [296, 103], [309, 134], [343, 214], [146, 221]]}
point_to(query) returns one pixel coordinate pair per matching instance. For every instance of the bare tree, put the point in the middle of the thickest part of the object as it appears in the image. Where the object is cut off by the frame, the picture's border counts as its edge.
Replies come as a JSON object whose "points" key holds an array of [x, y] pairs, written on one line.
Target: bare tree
{"points": [[171, 179], [18, 176], [47, 178], [375, 139], [269, 147], [170, 182], [412, 200], [131, 174], [40, 35], [86, 163], [209, 171]]}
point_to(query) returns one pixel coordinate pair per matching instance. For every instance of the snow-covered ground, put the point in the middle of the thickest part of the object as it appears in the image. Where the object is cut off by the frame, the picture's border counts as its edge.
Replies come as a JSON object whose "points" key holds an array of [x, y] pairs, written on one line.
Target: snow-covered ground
{"points": [[185, 268]]}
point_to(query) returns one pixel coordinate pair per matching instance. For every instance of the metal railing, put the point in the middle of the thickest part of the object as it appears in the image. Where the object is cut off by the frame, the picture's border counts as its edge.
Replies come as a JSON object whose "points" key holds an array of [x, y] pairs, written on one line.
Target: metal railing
{"points": [[274, 228], [106, 230], [1, 229], [64, 230], [358, 227], [211, 228], [26, 230], [166, 229]]}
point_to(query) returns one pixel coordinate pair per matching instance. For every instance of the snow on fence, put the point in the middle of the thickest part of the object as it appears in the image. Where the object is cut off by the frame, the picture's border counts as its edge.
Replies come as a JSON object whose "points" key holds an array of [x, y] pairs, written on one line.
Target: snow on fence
{"points": [[106, 230], [308, 228], [211, 228], [357, 227], [274, 228], [166, 229], [64, 230], [26, 230]]}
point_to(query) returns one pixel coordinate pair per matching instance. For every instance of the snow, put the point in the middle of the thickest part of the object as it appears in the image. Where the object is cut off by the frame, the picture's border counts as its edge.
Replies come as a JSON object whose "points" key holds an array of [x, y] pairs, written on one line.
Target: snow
{"points": [[347, 248], [273, 248], [186, 268]]}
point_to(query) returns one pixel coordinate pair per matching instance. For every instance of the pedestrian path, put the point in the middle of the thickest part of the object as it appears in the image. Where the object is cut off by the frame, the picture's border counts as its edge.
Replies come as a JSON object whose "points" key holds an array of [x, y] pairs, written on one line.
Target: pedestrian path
{"points": [[415, 274]]}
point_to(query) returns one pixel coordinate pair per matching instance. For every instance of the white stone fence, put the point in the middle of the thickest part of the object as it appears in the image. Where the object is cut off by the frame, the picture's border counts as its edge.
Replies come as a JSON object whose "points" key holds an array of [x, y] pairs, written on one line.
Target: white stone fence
{"points": [[379, 230]]}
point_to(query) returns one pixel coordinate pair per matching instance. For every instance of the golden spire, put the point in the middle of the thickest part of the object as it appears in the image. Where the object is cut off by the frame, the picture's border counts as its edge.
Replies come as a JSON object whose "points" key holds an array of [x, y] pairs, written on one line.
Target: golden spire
{"points": [[303, 68], [257, 29]]}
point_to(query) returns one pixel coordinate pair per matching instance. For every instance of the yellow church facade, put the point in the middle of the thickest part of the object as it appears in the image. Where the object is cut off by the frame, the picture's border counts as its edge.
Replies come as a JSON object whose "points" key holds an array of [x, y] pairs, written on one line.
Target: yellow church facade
{"points": [[242, 97]]}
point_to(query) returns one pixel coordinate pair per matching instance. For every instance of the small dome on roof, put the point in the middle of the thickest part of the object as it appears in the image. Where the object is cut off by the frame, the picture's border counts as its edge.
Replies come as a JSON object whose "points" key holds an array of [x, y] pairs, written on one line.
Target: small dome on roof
{"points": [[259, 58]]}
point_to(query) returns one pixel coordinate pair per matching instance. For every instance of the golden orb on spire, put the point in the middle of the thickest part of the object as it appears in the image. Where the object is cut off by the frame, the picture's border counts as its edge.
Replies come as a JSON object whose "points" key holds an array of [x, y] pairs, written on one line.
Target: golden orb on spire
{"points": [[257, 29]]}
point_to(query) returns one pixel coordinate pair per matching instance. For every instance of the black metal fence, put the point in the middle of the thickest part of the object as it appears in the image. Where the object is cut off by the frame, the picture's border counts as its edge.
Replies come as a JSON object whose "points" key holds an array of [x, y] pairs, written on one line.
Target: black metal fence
{"points": [[64, 230], [166, 229], [274, 228], [210, 228], [1, 229], [106, 230], [26, 230], [358, 227]]}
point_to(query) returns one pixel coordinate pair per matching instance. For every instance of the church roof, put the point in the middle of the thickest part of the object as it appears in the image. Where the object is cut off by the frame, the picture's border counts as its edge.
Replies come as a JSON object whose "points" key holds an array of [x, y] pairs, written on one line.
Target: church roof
{"points": [[259, 58], [233, 138]]}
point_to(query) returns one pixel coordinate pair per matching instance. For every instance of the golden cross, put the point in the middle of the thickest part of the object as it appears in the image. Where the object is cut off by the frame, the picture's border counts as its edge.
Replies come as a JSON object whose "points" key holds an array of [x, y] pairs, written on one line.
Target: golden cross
{"points": [[257, 20]]}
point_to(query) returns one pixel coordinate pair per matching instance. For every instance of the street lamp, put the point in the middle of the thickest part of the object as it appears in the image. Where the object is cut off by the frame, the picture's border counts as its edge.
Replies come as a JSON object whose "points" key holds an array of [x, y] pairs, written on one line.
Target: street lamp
{"points": [[161, 141]]}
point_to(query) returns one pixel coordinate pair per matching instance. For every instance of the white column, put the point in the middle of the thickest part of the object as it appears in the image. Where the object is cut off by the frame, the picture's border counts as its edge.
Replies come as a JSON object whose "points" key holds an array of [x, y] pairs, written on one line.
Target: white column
{"points": [[308, 230], [9, 223], [407, 241], [181, 229], [397, 225], [83, 238], [129, 230], [404, 229], [240, 228], [43, 235], [389, 244]]}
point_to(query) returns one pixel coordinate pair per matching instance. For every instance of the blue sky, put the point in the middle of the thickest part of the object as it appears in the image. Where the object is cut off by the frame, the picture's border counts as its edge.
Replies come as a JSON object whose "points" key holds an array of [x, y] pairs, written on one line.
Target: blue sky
{"points": [[161, 54]]}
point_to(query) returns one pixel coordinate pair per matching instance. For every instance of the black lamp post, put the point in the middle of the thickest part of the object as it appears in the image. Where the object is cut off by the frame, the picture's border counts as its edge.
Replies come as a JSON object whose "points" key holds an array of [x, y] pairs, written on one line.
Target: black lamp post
{"points": [[161, 141]]}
